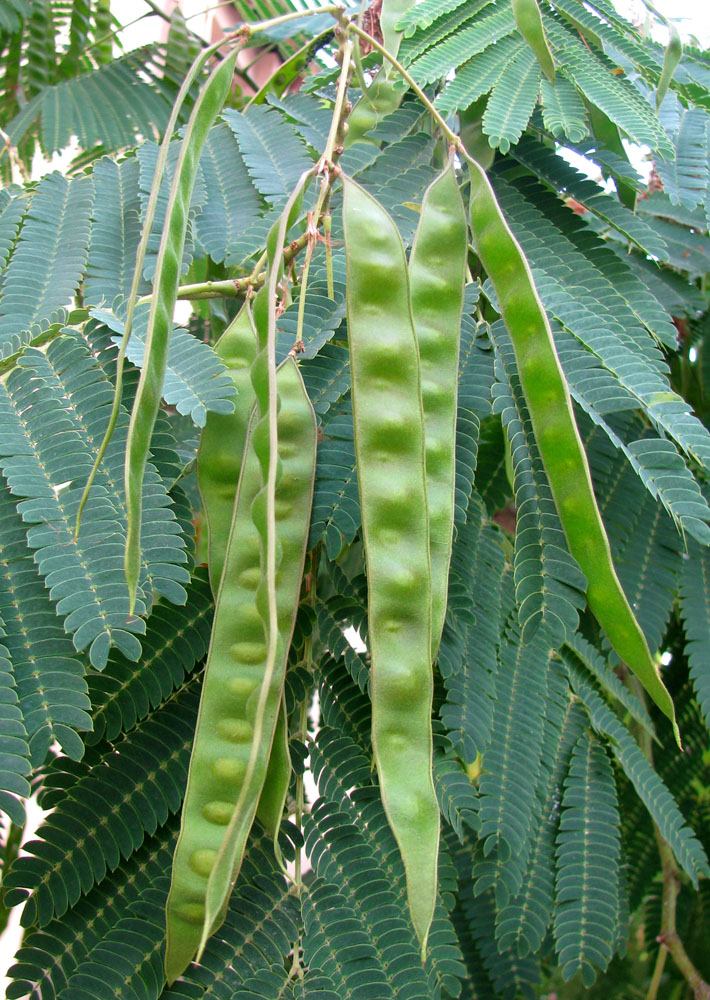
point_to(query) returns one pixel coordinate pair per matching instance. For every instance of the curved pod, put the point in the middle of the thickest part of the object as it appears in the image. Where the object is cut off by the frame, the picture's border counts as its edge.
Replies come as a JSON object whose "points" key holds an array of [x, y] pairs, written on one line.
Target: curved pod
{"points": [[529, 23], [160, 320], [547, 396]]}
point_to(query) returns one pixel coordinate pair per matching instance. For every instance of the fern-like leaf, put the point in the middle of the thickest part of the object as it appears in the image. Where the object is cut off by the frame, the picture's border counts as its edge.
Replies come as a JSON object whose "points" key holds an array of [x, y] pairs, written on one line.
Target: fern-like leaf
{"points": [[686, 176], [555, 171], [125, 794], [336, 504], [352, 848], [591, 660], [511, 765], [108, 107], [47, 451], [14, 750], [51, 686], [58, 223], [587, 863], [462, 45], [457, 798], [124, 693], [274, 155], [49, 956], [523, 923], [195, 381], [115, 232], [695, 614], [467, 656], [649, 786], [563, 111], [327, 377], [617, 98], [477, 76], [12, 210], [512, 100], [232, 203]]}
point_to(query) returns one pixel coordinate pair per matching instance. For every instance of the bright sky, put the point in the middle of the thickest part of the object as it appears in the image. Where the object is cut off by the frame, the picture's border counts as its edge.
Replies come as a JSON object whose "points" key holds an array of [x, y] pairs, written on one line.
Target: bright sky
{"points": [[691, 16]]}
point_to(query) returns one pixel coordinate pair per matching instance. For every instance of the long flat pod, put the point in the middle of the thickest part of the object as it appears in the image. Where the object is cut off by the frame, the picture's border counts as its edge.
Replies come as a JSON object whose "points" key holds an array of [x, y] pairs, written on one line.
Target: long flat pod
{"points": [[437, 269], [160, 320], [389, 446], [227, 721], [222, 442], [529, 24], [278, 775], [548, 399]]}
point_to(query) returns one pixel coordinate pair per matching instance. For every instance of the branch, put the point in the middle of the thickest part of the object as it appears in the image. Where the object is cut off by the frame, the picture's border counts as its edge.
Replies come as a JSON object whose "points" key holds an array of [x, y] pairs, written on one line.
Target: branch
{"points": [[668, 937]]}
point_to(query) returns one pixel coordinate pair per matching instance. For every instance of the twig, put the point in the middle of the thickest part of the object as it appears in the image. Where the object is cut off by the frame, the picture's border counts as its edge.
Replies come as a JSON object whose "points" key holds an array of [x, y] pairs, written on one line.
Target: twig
{"points": [[668, 938], [14, 157]]}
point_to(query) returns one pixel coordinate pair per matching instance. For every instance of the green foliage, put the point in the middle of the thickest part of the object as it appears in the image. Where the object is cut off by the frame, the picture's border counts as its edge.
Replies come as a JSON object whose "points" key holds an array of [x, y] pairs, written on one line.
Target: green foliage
{"points": [[553, 777]]}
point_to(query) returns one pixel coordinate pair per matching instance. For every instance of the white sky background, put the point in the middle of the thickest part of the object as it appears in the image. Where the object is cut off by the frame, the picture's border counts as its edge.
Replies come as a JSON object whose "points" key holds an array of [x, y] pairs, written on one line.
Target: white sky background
{"points": [[692, 17]]}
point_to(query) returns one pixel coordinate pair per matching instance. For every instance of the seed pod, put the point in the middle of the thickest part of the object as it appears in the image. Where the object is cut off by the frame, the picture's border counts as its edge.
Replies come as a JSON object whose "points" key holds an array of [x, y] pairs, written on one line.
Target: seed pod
{"points": [[229, 722], [437, 270], [547, 396], [160, 320], [529, 24], [223, 439], [389, 447]]}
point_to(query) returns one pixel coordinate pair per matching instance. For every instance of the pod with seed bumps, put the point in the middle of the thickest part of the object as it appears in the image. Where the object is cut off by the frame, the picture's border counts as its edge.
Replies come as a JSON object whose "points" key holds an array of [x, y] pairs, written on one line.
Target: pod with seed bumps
{"points": [[219, 458], [234, 674], [389, 448], [561, 450], [437, 272]]}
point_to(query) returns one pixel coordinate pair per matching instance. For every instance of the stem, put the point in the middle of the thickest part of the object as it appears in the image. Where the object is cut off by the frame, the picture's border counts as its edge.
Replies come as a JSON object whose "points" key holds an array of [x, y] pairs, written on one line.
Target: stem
{"points": [[313, 234], [12, 849], [253, 29], [657, 974], [451, 137], [668, 938], [129, 24], [157, 10], [230, 288], [327, 228], [336, 122], [15, 160]]}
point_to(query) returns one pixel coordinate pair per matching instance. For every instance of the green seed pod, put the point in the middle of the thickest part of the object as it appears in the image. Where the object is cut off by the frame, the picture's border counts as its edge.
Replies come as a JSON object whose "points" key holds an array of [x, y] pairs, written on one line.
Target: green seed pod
{"points": [[229, 725], [160, 320], [674, 53], [278, 776], [529, 24], [563, 456], [219, 458], [437, 271], [389, 447]]}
